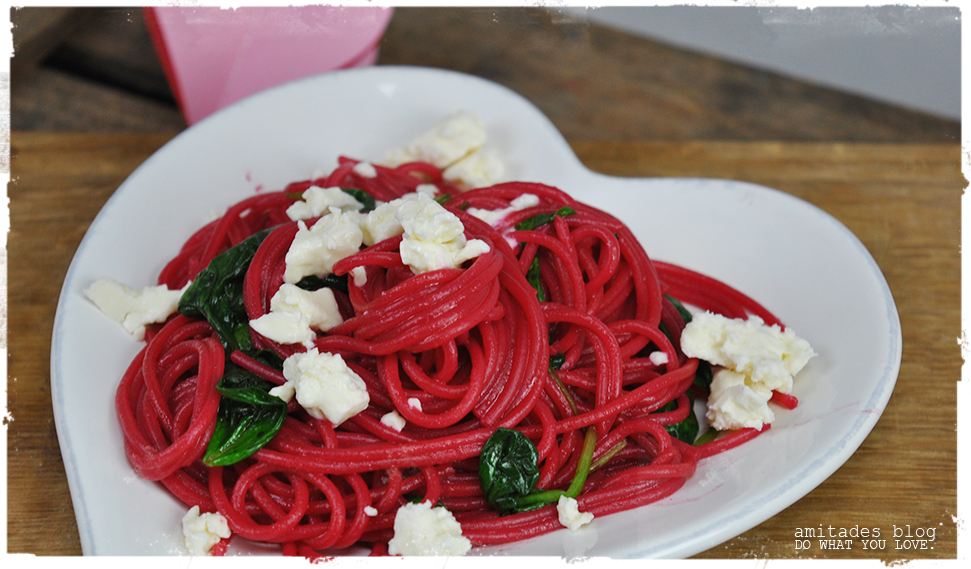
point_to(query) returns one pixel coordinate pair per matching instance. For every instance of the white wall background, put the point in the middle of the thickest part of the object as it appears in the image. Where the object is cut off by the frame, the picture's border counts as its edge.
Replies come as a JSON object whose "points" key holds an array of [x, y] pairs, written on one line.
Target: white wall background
{"points": [[908, 56]]}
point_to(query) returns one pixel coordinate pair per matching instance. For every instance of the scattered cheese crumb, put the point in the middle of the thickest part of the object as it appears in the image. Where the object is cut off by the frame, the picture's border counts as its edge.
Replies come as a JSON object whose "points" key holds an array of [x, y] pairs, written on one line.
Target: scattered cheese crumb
{"points": [[494, 216], [370, 511], [365, 169], [569, 514], [203, 531], [393, 420], [414, 403], [420, 529], [134, 309], [359, 274], [658, 358]]}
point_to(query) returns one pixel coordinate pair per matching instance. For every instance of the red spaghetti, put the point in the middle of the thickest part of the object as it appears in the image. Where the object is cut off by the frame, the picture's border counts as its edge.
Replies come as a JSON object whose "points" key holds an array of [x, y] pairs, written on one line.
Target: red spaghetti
{"points": [[472, 345]]}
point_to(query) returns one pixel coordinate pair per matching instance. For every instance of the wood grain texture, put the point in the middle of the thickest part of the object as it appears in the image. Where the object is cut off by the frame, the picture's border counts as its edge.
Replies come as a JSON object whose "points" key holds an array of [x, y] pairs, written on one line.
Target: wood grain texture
{"points": [[902, 201], [593, 82]]}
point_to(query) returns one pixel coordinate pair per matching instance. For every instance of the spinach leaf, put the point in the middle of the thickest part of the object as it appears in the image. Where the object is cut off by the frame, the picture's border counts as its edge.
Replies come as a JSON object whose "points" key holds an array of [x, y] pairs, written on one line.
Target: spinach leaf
{"points": [[216, 294], [248, 417], [685, 315], [314, 282], [703, 376], [557, 361], [686, 430], [533, 277], [361, 196], [543, 218], [508, 469]]}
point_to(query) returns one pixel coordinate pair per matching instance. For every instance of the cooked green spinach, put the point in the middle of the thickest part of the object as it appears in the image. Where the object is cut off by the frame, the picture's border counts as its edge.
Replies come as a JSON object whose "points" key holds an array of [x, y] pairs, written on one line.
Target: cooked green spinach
{"points": [[216, 294]]}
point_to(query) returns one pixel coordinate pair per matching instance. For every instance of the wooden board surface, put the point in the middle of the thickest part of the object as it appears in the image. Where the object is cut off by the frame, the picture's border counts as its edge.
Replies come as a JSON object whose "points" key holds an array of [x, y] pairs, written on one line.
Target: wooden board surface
{"points": [[94, 69], [902, 201]]}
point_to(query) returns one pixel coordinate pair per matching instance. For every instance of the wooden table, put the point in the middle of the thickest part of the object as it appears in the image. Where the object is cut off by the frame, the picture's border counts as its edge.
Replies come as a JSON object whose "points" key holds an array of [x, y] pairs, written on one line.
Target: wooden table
{"points": [[901, 200]]}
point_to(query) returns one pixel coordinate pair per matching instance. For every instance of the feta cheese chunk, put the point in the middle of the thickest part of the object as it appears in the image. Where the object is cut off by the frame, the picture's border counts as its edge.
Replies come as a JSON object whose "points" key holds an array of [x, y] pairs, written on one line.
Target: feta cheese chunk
{"points": [[420, 529], [315, 250], [381, 223], [434, 238], [134, 309], [570, 515], [757, 360], [324, 386], [284, 328], [319, 306], [455, 137], [733, 404], [295, 313], [394, 420], [456, 145], [316, 201], [658, 358], [203, 531], [494, 216], [365, 170], [359, 276], [477, 170]]}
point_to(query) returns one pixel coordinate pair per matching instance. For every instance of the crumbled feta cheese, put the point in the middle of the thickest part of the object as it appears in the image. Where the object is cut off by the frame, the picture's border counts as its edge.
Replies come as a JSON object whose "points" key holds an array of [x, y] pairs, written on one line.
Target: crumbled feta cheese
{"points": [[295, 313], [420, 529], [381, 223], [456, 145], [324, 386], [370, 511], [658, 358], [569, 514], [318, 306], [134, 309], [393, 420], [477, 170], [434, 238], [203, 531], [494, 216], [365, 169], [414, 403], [316, 201], [285, 328], [430, 189], [359, 274], [733, 404], [763, 358], [452, 139], [315, 250]]}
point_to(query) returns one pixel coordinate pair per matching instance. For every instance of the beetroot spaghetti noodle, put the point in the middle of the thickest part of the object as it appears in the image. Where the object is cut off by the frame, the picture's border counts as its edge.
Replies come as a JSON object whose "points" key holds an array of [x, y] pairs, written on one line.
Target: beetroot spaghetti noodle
{"points": [[564, 331]]}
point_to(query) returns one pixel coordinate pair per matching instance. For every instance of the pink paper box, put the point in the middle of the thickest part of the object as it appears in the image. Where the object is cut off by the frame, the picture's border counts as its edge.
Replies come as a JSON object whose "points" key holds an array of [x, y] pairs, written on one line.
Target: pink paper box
{"points": [[213, 56]]}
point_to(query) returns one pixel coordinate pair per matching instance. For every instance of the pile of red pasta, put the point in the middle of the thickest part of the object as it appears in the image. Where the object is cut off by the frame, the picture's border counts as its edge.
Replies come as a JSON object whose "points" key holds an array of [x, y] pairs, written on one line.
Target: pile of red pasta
{"points": [[550, 333]]}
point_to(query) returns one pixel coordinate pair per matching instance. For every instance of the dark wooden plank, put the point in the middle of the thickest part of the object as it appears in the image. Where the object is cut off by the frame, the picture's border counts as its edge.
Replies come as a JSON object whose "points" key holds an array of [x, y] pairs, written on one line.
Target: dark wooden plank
{"points": [[596, 83], [593, 82]]}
